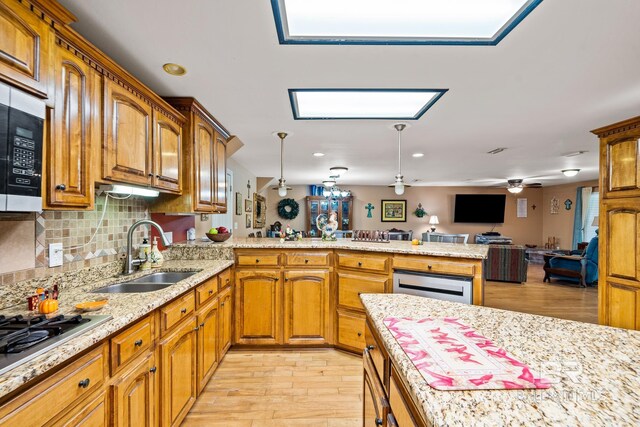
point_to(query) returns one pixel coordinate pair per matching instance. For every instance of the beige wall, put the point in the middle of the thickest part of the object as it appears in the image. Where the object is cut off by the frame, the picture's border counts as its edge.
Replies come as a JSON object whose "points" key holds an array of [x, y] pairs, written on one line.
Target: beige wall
{"points": [[436, 201], [561, 225]]}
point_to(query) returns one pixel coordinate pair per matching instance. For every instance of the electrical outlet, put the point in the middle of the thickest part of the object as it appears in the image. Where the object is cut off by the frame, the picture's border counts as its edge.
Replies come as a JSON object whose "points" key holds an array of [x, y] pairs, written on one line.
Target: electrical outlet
{"points": [[235, 225], [55, 254]]}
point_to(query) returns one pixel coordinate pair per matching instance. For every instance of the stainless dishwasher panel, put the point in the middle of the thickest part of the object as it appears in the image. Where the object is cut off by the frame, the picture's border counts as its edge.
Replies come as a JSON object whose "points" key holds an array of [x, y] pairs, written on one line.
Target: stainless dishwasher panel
{"points": [[448, 288]]}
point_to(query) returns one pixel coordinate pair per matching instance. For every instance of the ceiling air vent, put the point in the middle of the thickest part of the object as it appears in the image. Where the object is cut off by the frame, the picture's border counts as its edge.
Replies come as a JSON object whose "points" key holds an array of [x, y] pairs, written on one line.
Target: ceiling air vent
{"points": [[497, 150]]}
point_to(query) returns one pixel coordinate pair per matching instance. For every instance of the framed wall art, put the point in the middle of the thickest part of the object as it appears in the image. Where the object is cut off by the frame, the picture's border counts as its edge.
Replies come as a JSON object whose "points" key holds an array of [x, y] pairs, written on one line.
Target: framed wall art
{"points": [[393, 211], [248, 221], [259, 211], [238, 203], [248, 205]]}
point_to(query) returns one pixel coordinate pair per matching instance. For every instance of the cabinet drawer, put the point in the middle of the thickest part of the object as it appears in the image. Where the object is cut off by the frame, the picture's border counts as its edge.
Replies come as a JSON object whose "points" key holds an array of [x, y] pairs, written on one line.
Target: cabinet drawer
{"points": [[376, 352], [351, 330], [373, 263], [258, 260], [41, 403], [224, 279], [132, 342], [93, 412], [206, 291], [435, 265], [376, 404], [177, 310], [311, 259], [350, 286]]}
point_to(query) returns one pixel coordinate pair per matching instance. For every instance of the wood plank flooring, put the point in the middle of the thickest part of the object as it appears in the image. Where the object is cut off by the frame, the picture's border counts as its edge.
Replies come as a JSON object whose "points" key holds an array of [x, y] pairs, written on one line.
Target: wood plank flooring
{"points": [[282, 388], [555, 299]]}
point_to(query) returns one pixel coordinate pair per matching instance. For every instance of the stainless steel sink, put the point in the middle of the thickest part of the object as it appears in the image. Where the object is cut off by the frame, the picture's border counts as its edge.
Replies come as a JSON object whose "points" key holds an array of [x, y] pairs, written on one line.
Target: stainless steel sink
{"points": [[152, 282]]}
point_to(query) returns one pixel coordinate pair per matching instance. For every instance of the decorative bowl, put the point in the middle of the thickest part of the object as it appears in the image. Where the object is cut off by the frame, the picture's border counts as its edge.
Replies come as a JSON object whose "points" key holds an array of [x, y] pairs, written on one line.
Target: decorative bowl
{"points": [[220, 237]]}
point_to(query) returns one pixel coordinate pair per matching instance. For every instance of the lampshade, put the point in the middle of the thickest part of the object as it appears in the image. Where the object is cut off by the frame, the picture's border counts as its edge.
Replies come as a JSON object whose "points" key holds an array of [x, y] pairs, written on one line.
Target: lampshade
{"points": [[595, 222], [515, 190], [434, 220]]}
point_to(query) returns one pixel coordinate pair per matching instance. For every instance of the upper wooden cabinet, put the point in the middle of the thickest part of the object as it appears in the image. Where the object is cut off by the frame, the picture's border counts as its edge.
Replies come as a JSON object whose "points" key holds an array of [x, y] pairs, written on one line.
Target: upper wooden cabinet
{"points": [[204, 163], [127, 146], [167, 152], [26, 42], [73, 125]]}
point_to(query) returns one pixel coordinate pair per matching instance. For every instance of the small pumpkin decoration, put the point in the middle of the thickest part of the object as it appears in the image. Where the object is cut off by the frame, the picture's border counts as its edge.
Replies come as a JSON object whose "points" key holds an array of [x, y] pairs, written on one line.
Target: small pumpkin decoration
{"points": [[48, 306], [288, 209]]}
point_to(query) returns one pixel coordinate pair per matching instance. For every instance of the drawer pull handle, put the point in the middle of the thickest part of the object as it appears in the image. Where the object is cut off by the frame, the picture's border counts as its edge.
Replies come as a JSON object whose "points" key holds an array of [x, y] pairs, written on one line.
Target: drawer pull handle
{"points": [[306, 261], [222, 304], [226, 281], [257, 260], [61, 187], [197, 328], [371, 347], [429, 267], [84, 383], [286, 279], [183, 311], [210, 291], [359, 264], [359, 334], [202, 325], [153, 370], [138, 343], [378, 421], [150, 175]]}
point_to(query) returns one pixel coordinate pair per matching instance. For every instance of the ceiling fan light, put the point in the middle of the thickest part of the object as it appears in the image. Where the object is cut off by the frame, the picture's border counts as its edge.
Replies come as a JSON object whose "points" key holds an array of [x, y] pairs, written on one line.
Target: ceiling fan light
{"points": [[399, 188], [515, 190], [570, 172], [344, 193], [329, 183], [282, 191], [339, 170]]}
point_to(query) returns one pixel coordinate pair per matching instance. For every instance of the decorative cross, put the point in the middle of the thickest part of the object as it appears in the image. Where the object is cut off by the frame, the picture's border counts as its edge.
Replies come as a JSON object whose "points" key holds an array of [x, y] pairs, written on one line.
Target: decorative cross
{"points": [[534, 207], [369, 207], [249, 189]]}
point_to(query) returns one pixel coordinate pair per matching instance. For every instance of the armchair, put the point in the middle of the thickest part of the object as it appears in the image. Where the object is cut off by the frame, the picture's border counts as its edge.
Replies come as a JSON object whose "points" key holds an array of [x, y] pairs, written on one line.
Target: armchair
{"points": [[578, 269]]}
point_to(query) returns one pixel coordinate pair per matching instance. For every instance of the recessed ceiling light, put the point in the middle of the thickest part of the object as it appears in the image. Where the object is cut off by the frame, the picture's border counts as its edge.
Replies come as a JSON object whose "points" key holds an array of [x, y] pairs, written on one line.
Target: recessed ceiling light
{"points": [[174, 69], [441, 22], [570, 172], [397, 104], [575, 153], [417, 155], [338, 170], [318, 154]]}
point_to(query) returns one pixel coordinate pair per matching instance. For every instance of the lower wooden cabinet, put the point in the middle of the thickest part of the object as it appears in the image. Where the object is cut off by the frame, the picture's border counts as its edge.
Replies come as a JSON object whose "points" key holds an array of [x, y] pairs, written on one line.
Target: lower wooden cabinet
{"points": [[134, 395], [93, 412], [225, 326], [178, 373], [351, 331], [208, 336], [375, 404], [307, 319], [258, 307]]}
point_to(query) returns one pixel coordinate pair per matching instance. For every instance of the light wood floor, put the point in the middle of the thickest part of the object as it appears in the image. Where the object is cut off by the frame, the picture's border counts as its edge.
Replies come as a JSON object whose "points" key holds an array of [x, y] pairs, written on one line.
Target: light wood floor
{"points": [[282, 388], [555, 299]]}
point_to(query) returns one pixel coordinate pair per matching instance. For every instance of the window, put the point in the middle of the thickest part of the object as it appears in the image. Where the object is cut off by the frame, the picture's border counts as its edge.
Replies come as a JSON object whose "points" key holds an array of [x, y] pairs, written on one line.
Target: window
{"points": [[398, 104], [592, 212], [441, 22]]}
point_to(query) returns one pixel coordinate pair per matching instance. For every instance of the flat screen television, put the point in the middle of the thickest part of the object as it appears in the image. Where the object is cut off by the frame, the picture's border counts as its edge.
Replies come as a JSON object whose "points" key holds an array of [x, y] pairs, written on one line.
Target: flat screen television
{"points": [[479, 208]]}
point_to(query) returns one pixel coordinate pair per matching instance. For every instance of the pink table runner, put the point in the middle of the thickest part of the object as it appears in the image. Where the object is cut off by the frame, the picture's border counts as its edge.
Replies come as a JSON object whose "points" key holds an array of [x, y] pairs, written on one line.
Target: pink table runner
{"points": [[453, 356]]}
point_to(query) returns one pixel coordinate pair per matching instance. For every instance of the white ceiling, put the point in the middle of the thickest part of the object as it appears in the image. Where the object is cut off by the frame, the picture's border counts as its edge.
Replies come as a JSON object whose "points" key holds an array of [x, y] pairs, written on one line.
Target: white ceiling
{"points": [[569, 67]]}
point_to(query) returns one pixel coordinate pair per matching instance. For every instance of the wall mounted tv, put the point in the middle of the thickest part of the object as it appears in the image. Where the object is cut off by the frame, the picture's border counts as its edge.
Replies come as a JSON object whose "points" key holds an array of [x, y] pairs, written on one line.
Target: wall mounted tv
{"points": [[479, 208]]}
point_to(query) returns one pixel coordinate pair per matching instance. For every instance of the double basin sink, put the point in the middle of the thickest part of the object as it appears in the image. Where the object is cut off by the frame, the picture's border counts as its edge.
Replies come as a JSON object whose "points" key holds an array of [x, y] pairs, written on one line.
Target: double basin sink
{"points": [[150, 283]]}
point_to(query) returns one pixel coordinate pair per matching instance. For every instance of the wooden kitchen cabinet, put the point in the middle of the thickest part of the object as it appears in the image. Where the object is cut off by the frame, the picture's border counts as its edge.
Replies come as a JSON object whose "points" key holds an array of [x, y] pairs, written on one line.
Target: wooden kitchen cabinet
{"points": [[73, 125], [220, 181], [177, 373], [375, 403], [167, 152], [204, 165], [26, 43], [258, 305], [92, 412], [225, 321], [307, 319], [128, 136], [208, 335], [134, 395]]}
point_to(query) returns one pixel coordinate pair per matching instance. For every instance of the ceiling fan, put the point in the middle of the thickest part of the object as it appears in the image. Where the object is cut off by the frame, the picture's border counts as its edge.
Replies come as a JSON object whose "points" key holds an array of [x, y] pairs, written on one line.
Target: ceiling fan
{"points": [[516, 185]]}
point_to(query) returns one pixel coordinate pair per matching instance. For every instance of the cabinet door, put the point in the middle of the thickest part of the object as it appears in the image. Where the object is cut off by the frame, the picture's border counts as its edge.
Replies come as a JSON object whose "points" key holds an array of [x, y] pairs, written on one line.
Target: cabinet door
{"points": [[306, 307], [69, 176], [178, 374], [127, 148], [258, 307], [25, 48], [221, 174], [204, 166], [208, 326], [622, 171], [226, 322], [167, 153], [134, 395]]}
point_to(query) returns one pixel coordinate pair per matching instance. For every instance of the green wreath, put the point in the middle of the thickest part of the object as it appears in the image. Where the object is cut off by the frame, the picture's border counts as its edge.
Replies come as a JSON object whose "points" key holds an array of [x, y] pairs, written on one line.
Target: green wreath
{"points": [[288, 208]]}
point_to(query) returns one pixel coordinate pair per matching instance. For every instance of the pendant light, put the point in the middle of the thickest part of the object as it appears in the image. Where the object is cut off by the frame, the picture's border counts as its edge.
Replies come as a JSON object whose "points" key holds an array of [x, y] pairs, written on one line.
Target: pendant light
{"points": [[282, 186], [399, 185]]}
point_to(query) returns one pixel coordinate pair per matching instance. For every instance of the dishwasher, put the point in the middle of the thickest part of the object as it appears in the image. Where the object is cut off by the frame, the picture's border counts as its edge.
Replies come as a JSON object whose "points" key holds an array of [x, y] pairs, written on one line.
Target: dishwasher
{"points": [[437, 286]]}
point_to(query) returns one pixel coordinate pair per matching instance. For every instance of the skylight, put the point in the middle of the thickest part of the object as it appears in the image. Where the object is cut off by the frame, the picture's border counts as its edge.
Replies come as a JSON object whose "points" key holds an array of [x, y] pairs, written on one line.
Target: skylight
{"points": [[466, 22], [396, 104]]}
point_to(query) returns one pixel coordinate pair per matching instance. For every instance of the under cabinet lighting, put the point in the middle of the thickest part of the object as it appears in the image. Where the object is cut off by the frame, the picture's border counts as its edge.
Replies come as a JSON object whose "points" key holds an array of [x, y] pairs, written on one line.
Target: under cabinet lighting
{"points": [[327, 104], [129, 190], [441, 22]]}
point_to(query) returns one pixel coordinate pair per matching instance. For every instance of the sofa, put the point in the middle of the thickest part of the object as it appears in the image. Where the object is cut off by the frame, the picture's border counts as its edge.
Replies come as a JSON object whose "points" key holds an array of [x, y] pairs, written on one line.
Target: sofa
{"points": [[506, 263]]}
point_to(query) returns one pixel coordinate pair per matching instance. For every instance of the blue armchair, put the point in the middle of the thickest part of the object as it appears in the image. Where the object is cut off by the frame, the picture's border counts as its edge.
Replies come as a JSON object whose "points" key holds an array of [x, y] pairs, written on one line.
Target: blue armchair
{"points": [[578, 269]]}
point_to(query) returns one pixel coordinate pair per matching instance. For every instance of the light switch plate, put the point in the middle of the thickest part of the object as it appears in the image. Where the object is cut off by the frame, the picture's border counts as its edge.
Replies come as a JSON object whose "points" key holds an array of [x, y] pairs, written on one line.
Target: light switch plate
{"points": [[55, 254]]}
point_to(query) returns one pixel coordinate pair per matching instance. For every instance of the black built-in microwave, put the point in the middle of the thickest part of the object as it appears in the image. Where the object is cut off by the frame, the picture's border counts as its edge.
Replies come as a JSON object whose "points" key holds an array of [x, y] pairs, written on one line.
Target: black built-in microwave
{"points": [[21, 140]]}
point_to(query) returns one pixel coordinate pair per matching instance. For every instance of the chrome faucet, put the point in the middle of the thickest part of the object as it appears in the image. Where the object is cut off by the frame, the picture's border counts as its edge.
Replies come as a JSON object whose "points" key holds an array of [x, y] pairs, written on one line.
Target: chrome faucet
{"points": [[130, 262]]}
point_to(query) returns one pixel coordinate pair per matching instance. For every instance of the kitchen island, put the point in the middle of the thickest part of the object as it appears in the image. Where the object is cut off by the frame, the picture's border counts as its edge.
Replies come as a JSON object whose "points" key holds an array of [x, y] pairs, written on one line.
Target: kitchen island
{"points": [[593, 369]]}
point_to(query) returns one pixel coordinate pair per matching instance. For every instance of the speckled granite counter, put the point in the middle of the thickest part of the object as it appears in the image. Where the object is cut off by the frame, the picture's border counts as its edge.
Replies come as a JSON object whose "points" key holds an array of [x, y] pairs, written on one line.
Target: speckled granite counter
{"points": [[595, 370], [455, 250], [124, 309]]}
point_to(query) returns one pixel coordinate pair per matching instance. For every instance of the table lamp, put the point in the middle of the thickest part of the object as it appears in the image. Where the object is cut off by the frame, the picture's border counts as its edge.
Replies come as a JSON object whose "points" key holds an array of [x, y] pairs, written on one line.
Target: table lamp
{"points": [[433, 221], [595, 221]]}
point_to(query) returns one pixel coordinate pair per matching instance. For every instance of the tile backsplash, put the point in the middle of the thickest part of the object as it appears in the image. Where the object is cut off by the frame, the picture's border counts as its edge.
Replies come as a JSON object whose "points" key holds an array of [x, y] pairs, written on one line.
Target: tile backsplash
{"points": [[74, 230]]}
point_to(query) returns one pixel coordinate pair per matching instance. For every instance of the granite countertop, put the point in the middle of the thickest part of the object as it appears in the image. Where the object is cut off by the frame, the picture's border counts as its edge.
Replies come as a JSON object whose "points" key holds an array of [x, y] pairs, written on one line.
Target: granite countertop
{"points": [[595, 370], [456, 250], [124, 309]]}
